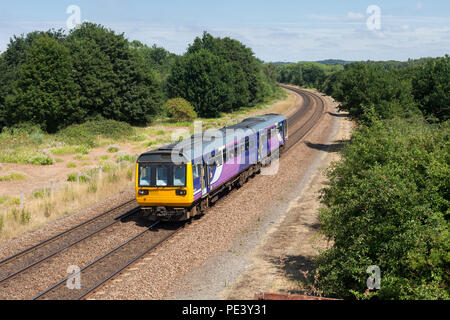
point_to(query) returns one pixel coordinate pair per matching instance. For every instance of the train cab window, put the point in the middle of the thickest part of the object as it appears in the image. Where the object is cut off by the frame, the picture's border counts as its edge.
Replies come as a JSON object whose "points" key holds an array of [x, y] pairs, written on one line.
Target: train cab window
{"points": [[179, 176], [162, 176], [280, 128], [145, 176]]}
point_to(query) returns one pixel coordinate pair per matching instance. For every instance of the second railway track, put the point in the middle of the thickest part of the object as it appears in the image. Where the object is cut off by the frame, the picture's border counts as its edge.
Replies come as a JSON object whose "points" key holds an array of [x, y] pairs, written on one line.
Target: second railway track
{"points": [[37, 254]]}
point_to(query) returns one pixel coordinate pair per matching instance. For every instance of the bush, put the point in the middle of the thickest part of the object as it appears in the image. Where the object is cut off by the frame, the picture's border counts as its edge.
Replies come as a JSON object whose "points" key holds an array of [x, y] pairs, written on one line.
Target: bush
{"points": [[180, 110], [87, 134], [43, 160], [388, 205]]}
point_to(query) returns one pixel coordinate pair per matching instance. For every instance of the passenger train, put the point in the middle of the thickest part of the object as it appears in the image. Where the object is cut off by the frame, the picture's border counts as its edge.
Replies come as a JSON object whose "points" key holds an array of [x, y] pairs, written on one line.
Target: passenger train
{"points": [[181, 180]]}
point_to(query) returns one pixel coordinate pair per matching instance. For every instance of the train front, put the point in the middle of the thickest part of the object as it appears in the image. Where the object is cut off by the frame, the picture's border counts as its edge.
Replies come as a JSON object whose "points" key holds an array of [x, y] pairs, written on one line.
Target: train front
{"points": [[164, 189]]}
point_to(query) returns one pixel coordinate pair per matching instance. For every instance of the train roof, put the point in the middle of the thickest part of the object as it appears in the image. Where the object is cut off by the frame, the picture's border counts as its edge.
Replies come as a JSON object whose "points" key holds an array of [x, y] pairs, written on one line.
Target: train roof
{"points": [[196, 147]]}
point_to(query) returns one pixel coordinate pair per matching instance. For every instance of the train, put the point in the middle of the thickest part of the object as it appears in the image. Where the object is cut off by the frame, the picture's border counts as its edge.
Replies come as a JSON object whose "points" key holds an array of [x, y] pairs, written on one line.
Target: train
{"points": [[182, 180]]}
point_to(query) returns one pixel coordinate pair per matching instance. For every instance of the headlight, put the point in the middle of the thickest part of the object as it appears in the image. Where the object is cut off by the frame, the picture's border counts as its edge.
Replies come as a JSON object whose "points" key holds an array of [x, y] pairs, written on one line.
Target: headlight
{"points": [[143, 192], [181, 192]]}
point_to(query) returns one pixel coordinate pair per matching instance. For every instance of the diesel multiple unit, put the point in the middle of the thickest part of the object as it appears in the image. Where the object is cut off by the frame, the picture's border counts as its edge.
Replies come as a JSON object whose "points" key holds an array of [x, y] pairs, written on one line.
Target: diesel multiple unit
{"points": [[181, 180]]}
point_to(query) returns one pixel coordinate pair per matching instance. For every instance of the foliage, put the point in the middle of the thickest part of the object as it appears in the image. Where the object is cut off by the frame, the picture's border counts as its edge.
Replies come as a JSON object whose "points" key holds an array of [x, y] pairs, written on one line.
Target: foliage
{"points": [[43, 90], [388, 205], [87, 133], [365, 86], [180, 110], [431, 88], [54, 80], [219, 75], [306, 74]]}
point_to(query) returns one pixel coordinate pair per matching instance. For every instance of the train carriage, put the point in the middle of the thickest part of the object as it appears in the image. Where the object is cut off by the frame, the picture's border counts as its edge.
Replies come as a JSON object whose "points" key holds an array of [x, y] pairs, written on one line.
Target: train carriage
{"points": [[181, 180]]}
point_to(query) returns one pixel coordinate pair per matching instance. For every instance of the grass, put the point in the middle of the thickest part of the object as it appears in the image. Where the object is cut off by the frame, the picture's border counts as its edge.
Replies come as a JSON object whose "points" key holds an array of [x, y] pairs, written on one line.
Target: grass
{"points": [[13, 177], [63, 151], [113, 149], [71, 165], [41, 208]]}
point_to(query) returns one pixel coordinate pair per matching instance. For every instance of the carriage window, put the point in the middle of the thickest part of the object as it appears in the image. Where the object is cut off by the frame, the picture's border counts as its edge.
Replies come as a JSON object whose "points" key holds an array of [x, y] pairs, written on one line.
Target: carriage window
{"points": [[269, 134], [247, 144], [225, 159], [179, 176], [162, 176], [144, 179], [252, 142], [196, 168], [219, 159], [242, 147], [236, 149]]}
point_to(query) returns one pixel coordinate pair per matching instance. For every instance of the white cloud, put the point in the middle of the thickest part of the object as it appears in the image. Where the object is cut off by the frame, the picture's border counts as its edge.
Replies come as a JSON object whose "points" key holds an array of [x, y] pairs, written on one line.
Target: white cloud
{"points": [[355, 16]]}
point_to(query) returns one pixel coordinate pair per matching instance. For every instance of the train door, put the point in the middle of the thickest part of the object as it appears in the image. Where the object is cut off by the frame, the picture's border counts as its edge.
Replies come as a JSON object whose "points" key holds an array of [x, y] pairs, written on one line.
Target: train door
{"points": [[205, 179], [247, 151]]}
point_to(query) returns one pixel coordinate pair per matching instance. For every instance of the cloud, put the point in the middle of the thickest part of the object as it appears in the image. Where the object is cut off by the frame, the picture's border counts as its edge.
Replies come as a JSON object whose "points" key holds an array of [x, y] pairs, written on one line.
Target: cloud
{"points": [[355, 16]]}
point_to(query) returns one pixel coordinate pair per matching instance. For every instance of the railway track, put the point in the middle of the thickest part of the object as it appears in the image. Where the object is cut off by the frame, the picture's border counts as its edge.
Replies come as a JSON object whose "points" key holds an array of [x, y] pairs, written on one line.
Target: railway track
{"points": [[101, 270], [104, 268], [300, 132], [31, 257]]}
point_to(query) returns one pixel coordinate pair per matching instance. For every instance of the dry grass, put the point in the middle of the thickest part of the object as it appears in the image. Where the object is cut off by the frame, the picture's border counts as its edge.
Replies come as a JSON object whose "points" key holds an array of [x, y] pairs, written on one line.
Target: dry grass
{"points": [[40, 210]]}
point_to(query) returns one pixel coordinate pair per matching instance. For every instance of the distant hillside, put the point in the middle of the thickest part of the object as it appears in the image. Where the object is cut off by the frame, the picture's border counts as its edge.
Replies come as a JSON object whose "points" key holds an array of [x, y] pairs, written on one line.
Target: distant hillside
{"points": [[325, 62], [334, 61]]}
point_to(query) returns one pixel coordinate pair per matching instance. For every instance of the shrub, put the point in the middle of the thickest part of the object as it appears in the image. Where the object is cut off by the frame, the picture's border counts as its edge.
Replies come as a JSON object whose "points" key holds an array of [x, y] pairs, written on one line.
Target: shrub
{"points": [[179, 110], [25, 217], [71, 165], [88, 133], [388, 205], [113, 149], [73, 178], [41, 193], [82, 150], [43, 160]]}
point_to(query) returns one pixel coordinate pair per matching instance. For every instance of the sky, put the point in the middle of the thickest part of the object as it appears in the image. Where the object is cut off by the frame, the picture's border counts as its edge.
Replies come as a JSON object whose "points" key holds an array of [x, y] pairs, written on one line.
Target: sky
{"points": [[282, 30]]}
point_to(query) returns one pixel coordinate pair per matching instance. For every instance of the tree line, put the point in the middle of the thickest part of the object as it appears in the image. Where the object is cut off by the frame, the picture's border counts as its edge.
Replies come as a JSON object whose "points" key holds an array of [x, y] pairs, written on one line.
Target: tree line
{"points": [[53, 79], [387, 200]]}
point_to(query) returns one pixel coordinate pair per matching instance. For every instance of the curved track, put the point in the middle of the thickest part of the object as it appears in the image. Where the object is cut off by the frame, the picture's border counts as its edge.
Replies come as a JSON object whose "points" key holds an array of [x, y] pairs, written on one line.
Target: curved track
{"points": [[310, 100], [103, 269]]}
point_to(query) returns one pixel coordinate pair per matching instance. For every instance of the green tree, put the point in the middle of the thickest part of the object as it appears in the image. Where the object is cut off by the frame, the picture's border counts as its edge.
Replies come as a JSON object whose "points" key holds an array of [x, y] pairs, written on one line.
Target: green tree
{"points": [[388, 205], [45, 93], [115, 80], [431, 88], [205, 80]]}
